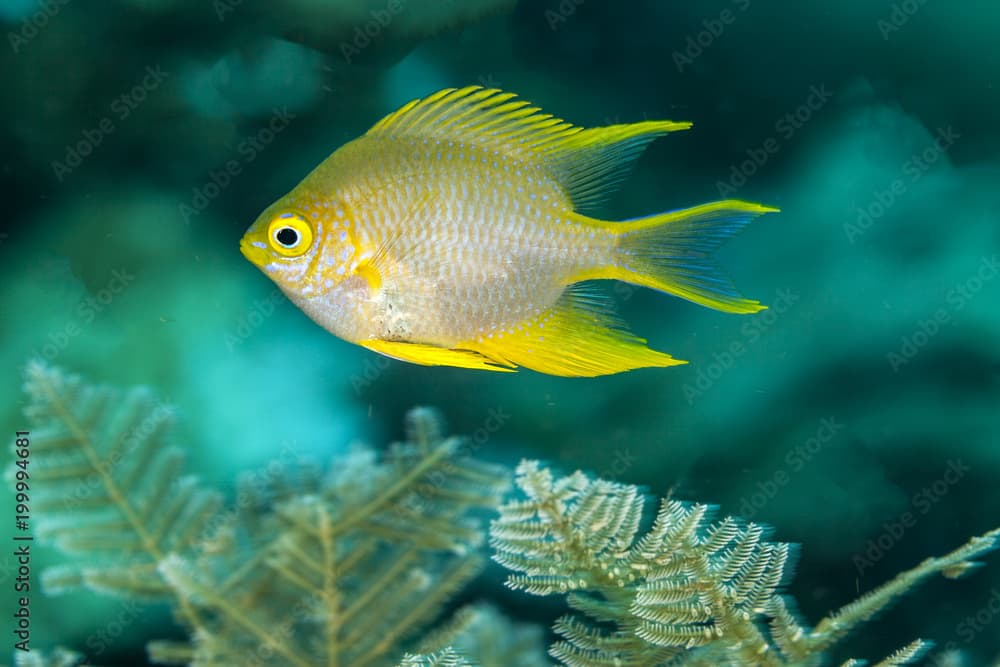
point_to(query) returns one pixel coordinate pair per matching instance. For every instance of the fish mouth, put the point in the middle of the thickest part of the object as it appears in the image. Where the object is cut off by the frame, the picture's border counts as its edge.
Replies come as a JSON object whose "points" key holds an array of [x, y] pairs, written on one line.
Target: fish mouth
{"points": [[256, 255]]}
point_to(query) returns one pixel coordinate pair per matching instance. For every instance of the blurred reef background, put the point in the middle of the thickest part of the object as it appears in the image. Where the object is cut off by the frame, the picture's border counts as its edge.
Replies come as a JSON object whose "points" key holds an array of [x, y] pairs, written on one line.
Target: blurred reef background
{"points": [[859, 416]]}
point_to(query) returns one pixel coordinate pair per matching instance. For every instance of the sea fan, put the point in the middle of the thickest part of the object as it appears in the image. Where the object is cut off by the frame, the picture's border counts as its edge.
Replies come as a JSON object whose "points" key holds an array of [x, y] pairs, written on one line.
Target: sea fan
{"points": [[690, 591], [354, 566], [345, 568], [58, 657], [107, 489], [444, 658]]}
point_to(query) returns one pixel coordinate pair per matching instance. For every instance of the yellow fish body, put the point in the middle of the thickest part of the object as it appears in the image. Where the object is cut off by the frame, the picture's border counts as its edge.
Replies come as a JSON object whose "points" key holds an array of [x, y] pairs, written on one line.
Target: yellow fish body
{"points": [[452, 233]]}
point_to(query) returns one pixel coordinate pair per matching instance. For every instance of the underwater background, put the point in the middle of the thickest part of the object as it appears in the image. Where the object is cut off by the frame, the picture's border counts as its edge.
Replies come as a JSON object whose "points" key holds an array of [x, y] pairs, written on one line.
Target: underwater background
{"points": [[142, 137]]}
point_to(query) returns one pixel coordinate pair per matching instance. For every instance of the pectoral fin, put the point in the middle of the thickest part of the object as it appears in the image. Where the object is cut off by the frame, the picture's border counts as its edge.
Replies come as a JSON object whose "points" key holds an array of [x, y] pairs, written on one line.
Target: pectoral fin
{"points": [[432, 355]]}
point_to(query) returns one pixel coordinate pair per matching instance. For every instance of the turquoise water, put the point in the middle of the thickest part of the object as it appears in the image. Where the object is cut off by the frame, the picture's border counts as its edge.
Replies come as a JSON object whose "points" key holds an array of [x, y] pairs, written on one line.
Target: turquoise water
{"points": [[859, 416]]}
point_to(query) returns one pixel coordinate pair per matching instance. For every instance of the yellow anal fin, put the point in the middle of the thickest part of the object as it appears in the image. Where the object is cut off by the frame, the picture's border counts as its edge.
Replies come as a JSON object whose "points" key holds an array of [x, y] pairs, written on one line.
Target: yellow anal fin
{"points": [[432, 355], [577, 337]]}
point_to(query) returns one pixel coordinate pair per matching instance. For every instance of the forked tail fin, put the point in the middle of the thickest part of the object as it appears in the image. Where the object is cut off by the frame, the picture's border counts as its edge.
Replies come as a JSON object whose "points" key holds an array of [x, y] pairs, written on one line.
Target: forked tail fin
{"points": [[671, 252]]}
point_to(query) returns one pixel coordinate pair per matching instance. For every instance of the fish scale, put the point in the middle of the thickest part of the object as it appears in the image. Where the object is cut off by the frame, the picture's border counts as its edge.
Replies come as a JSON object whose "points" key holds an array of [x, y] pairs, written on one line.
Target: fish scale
{"points": [[456, 232]]}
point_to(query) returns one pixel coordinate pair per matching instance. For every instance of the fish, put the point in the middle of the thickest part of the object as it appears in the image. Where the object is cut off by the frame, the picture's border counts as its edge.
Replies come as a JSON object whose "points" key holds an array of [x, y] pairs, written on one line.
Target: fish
{"points": [[457, 231]]}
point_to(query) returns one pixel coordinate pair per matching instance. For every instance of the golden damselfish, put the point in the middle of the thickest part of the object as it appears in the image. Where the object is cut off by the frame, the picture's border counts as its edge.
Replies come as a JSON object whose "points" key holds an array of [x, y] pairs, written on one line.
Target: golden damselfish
{"points": [[453, 233]]}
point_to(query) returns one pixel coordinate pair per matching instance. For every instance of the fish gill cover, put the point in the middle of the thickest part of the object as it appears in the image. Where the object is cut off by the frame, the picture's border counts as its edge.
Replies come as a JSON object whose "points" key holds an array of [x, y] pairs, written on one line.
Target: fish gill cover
{"points": [[858, 415]]}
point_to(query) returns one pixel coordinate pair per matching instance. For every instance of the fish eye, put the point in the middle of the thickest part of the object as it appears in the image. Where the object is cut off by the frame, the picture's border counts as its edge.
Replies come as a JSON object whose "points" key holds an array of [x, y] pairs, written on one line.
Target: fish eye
{"points": [[290, 234], [287, 237]]}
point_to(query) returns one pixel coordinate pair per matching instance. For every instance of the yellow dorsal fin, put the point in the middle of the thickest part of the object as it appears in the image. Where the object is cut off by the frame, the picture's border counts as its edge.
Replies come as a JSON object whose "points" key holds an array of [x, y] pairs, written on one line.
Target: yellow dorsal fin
{"points": [[476, 115], [586, 163]]}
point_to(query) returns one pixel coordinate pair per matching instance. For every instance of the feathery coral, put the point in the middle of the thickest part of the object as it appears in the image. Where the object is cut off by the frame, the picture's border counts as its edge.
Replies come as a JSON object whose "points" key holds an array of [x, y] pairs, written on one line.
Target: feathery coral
{"points": [[353, 567], [108, 490], [346, 569], [690, 591]]}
